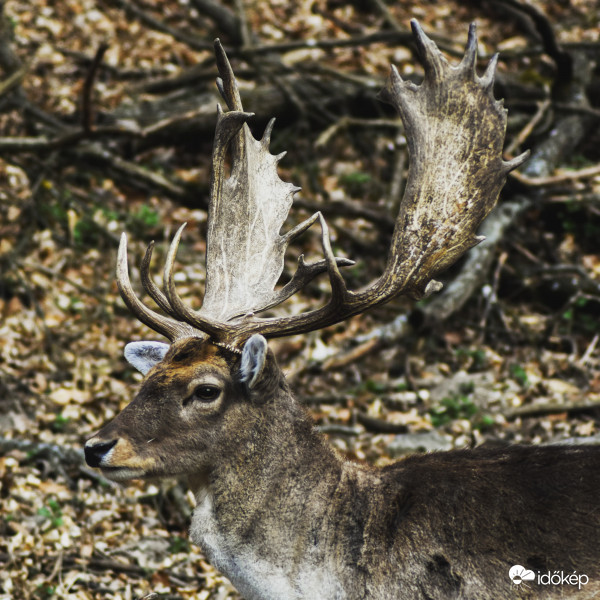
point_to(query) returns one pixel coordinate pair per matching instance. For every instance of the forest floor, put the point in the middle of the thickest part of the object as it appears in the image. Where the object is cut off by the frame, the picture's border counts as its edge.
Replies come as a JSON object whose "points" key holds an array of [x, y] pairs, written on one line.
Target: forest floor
{"points": [[515, 362]]}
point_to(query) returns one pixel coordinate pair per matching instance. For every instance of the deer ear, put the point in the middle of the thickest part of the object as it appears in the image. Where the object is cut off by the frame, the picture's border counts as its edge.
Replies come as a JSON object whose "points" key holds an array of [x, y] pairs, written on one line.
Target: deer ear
{"points": [[144, 355], [254, 355]]}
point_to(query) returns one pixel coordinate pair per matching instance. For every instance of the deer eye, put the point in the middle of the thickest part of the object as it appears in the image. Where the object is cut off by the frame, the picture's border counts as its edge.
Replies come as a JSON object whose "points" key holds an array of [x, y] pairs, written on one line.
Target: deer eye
{"points": [[206, 393]]}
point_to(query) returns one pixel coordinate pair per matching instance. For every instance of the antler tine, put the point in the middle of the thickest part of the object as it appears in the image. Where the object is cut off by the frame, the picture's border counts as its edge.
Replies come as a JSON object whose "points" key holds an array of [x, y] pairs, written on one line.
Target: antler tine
{"points": [[186, 314], [170, 328], [153, 290], [305, 273], [433, 60], [339, 292], [470, 57], [488, 78], [226, 82]]}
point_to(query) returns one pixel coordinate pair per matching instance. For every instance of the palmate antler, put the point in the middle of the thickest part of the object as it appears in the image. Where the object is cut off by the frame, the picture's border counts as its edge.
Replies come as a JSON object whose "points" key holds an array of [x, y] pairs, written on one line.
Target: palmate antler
{"points": [[455, 131], [245, 253]]}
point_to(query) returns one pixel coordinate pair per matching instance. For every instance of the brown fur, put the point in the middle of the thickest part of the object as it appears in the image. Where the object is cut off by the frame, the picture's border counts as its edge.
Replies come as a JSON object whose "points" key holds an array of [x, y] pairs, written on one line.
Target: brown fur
{"points": [[440, 525]]}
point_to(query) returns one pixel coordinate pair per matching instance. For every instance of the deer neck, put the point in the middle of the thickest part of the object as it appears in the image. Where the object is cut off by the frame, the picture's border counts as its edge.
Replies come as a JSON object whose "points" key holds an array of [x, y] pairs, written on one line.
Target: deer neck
{"points": [[262, 513]]}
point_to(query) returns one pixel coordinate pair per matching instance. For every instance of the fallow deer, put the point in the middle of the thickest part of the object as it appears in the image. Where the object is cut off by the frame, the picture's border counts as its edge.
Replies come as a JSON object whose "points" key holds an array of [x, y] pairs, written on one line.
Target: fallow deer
{"points": [[278, 511]]}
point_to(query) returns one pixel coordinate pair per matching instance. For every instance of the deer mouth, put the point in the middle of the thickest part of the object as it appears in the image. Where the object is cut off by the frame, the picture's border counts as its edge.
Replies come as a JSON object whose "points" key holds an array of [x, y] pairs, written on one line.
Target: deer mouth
{"points": [[123, 473]]}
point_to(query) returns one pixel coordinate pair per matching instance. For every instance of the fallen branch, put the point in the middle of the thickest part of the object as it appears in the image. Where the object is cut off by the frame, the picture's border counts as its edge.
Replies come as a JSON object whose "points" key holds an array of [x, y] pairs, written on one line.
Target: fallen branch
{"points": [[134, 174], [44, 143], [559, 178], [343, 359], [584, 198], [375, 425], [159, 25], [552, 48], [64, 454], [552, 408], [14, 79], [348, 208], [477, 264], [225, 20], [87, 116], [577, 109], [399, 38]]}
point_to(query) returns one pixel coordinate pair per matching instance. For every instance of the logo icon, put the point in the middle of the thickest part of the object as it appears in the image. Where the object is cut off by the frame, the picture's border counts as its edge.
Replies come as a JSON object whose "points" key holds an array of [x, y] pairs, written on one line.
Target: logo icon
{"points": [[519, 574]]}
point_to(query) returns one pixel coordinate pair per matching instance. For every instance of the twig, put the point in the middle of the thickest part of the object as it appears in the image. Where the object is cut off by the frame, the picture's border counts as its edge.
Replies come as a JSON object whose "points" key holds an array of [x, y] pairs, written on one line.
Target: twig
{"points": [[381, 6], [88, 86], [526, 253], [57, 567], [375, 425], [541, 410], [526, 131], [15, 79], [327, 399], [106, 564], [388, 333], [551, 46], [387, 37], [244, 29], [587, 285], [158, 25], [347, 121], [137, 174], [286, 88], [164, 83], [33, 111], [63, 454], [164, 124], [75, 136], [335, 429], [585, 198], [492, 296], [397, 184], [577, 109], [589, 350], [116, 72], [347, 208], [156, 596], [555, 179], [68, 139], [9, 60], [343, 359], [362, 81], [226, 21]]}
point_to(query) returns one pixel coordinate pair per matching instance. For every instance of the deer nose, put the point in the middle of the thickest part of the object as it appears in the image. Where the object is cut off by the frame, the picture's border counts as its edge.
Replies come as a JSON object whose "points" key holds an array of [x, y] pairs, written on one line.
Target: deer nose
{"points": [[95, 452]]}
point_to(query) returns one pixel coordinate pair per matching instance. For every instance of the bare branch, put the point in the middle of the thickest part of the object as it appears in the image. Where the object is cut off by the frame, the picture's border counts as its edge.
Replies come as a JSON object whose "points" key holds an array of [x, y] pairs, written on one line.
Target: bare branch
{"points": [[87, 118], [159, 25], [584, 173], [225, 20], [14, 79], [385, 37]]}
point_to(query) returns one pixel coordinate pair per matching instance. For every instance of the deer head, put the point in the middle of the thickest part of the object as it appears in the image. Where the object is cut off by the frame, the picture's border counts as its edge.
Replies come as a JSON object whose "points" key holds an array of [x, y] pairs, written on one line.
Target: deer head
{"points": [[194, 388]]}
